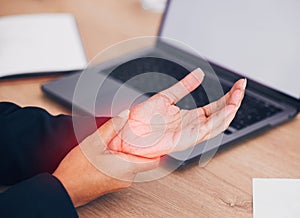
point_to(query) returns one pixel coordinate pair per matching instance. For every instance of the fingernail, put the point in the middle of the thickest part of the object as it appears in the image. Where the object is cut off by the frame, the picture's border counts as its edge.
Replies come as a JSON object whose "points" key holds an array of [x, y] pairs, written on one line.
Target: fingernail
{"points": [[199, 74], [245, 84], [124, 114], [201, 71]]}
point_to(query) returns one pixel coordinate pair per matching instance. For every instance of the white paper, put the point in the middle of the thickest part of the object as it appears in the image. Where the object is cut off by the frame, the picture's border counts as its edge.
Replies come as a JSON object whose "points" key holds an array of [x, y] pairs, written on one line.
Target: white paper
{"points": [[276, 198], [40, 43]]}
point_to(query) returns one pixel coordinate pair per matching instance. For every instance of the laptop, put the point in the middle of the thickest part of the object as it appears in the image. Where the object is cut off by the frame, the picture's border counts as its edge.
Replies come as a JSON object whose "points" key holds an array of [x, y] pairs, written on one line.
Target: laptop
{"points": [[257, 39]]}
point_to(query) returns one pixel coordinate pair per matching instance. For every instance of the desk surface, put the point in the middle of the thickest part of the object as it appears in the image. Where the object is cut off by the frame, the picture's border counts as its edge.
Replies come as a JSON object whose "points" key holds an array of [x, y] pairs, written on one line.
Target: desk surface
{"points": [[222, 188]]}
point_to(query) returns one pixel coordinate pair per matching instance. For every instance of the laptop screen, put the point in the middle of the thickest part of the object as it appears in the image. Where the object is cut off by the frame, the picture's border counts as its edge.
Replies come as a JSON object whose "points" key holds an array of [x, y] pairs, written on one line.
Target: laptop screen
{"points": [[259, 39]]}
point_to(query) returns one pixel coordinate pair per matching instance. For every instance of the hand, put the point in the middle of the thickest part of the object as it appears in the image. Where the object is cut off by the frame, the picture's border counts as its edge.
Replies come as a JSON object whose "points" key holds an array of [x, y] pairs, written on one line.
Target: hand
{"points": [[157, 127], [90, 170]]}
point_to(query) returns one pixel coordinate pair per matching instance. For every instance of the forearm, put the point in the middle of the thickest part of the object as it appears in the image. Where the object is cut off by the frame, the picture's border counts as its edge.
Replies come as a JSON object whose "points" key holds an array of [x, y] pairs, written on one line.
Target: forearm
{"points": [[40, 196], [32, 141]]}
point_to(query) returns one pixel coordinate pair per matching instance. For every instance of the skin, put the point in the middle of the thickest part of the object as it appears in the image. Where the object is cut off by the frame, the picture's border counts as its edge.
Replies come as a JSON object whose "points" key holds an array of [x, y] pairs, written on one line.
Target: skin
{"points": [[133, 141], [157, 126], [83, 180]]}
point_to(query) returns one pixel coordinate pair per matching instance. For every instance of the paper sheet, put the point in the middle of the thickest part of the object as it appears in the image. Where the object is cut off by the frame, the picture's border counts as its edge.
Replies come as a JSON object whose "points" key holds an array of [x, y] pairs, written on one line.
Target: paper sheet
{"points": [[276, 198], [40, 43]]}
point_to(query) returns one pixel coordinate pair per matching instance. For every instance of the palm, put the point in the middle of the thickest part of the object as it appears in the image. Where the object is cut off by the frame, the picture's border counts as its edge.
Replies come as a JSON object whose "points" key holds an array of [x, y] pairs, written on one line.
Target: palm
{"points": [[157, 127]]}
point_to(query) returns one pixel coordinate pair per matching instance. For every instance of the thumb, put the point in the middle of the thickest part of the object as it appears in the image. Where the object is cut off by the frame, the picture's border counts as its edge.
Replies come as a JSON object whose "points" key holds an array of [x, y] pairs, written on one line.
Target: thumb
{"points": [[112, 127]]}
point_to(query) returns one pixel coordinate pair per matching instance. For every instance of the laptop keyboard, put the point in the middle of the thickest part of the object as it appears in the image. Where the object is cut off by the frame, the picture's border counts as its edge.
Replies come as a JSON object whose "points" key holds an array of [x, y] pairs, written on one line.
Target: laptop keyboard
{"points": [[251, 111]]}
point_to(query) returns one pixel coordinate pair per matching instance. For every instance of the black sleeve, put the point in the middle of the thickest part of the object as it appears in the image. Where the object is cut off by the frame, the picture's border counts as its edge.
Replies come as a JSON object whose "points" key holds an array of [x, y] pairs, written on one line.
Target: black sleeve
{"points": [[32, 141], [40, 196], [32, 144]]}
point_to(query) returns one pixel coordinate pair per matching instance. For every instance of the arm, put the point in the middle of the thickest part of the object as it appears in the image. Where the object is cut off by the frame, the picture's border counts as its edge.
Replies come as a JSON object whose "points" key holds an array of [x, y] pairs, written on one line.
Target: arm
{"points": [[32, 141], [110, 158], [76, 181], [40, 196]]}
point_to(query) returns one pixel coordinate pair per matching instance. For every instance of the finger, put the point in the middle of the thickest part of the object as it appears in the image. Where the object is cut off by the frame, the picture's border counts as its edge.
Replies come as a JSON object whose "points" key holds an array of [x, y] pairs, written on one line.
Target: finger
{"points": [[111, 128], [221, 126], [122, 166], [98, 141], [226, 99], [144, 147], [217, 122], [139, 164], [204, 130], [115, 144], [235, 96], [183, 87]]}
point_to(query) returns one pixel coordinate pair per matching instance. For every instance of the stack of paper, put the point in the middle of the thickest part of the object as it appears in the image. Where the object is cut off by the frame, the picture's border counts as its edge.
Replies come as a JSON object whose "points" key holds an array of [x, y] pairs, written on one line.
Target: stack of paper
{"points": [[276, 198], [40, 43]]}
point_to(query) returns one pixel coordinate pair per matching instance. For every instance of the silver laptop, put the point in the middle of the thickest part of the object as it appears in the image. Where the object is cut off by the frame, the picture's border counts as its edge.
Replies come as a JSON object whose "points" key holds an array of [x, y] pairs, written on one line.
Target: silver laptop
{"points": [[257, 39]]}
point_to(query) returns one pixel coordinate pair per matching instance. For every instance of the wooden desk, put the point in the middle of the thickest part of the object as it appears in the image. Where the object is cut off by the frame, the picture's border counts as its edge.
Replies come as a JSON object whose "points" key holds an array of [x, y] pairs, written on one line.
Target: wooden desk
{"points": [[223, 188]]}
